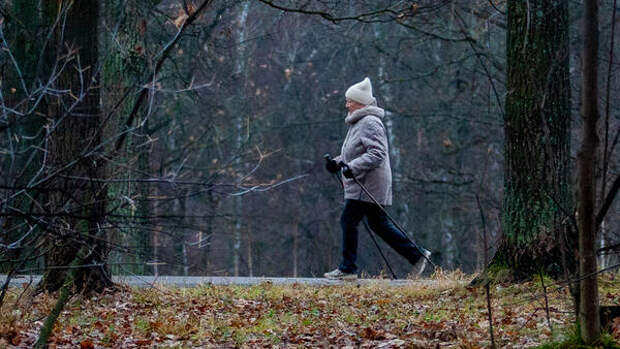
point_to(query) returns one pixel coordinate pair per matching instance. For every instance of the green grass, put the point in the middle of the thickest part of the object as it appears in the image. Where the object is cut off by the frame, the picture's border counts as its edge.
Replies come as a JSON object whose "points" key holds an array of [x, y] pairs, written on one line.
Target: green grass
{"points": [[447, 313]]}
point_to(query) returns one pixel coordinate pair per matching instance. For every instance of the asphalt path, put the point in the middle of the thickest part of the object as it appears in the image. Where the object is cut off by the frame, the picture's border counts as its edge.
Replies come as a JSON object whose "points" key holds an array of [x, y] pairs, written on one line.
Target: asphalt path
{"points": [[193, 281]]}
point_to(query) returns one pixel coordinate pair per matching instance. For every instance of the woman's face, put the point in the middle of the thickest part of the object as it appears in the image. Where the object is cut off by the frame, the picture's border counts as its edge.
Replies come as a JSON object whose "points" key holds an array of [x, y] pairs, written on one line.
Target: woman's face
{"points": [[353, 105]]}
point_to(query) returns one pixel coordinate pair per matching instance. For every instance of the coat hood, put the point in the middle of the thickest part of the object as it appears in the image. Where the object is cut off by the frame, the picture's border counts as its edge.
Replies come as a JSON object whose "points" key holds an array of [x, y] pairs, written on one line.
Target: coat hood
{"points": [[360, 113]]}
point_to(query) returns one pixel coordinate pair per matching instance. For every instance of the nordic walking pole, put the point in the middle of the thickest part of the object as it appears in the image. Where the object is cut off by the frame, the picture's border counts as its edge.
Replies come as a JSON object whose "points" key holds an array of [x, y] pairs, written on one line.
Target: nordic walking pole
{"points": [[388, 215], [379, 248], [328, 157], [394, 277]]}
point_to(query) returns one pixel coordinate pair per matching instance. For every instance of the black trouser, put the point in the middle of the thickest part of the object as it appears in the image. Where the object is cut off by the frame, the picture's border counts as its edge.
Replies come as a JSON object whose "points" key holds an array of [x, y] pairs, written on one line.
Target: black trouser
{"points": [[354, 212]]}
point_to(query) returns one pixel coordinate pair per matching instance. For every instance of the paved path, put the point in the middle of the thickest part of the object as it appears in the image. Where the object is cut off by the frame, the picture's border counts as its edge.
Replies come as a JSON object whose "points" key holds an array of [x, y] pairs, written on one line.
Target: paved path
{"points": [[190, 281]]}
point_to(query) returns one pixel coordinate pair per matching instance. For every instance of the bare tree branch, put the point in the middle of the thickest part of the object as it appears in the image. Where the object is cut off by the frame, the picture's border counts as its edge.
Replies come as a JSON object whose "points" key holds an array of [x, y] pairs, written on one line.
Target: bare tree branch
{"points": [[162, 55], [609, 199]]}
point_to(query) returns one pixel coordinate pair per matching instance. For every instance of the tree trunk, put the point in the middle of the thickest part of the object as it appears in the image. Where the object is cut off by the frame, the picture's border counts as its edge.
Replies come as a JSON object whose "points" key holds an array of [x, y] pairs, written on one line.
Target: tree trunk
{"points": [[241, 69], [78, 207], [537, 142], [589, 320], [123, 71]]}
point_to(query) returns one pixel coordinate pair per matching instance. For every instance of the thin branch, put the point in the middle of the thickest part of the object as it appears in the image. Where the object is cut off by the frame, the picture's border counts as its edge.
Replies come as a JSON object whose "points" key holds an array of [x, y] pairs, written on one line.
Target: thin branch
{"points": [[607, 101], [162, 55], [465, 38], [329, 16], [63, 298], [15, 64], [495, 7], [542, 282], [484, 66], [609, 199], [3, 12], [567, 214], [261, 187], [608, 248], [489, 311], [398, 17]]}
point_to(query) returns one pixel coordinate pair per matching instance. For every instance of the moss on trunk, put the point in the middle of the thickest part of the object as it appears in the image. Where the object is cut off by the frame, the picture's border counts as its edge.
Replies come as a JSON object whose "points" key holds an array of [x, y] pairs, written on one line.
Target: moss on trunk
{"points": [[537, 142]]}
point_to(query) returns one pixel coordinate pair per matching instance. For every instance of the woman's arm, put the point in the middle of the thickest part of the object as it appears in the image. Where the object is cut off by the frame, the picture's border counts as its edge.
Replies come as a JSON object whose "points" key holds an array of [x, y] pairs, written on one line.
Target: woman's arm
{"points": [[374, 140]]}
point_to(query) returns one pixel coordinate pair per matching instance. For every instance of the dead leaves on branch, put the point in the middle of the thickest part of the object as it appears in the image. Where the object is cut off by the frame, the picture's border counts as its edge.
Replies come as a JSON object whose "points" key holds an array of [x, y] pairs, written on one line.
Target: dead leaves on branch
{"points": [[445, 314], [184, 13], [181, 18]]}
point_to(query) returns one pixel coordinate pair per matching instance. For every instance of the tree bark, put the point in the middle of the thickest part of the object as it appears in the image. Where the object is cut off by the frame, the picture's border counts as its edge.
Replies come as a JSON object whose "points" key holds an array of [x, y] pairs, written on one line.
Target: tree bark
{"points": [[124, 65], [537, 141], [241, 68], [75, 138], [589, 319]]}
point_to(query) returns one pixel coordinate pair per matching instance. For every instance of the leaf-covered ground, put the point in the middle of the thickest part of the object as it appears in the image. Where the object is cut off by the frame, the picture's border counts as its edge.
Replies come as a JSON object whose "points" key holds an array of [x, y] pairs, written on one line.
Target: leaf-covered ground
{"points": [[446, 313]]}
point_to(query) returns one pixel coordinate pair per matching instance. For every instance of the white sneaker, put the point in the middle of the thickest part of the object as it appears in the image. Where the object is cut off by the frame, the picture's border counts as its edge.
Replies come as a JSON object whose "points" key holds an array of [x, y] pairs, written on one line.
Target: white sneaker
{"points": [[420, 265], [338, 274]]}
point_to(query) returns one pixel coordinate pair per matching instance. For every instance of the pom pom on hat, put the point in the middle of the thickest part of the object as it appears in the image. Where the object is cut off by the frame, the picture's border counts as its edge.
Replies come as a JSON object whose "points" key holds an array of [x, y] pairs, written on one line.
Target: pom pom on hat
{"points": [[361, 92]]}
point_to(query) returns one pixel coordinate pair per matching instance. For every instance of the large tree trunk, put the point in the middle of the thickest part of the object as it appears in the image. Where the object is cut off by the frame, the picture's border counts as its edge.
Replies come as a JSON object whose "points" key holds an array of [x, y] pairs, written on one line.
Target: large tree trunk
{"points": [[123, 72], [537, 142], [588, 286], [77, 205]]}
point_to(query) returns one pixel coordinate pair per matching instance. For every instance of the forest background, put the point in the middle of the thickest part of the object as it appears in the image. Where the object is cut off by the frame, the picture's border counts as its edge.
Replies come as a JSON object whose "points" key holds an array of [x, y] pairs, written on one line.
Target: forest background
{"points": [[214, 121]]}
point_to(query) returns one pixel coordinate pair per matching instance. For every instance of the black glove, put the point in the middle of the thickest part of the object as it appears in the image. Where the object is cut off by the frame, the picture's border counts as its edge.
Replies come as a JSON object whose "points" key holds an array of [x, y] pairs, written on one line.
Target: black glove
{"points": [[346, 171], [332, 166]]}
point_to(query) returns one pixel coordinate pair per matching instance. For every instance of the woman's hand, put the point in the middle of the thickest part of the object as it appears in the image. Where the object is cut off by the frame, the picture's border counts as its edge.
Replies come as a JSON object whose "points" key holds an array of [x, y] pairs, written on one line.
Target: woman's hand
{"points": [[332, 166], [347, 172]]}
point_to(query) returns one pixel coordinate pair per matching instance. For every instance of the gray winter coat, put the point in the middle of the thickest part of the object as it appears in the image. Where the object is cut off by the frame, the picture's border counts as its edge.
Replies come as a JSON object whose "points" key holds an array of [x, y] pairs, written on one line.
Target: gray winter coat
{"points": [[365, 150]]}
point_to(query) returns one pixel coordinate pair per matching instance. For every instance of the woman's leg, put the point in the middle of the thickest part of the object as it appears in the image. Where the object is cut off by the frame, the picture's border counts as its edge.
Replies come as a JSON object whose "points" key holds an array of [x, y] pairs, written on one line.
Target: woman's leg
{"points": [[381, 224], [351, 216]]}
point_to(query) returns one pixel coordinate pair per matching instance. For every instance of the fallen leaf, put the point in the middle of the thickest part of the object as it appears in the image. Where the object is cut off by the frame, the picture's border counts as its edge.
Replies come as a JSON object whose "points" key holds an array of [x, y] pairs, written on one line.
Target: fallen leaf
{"points": [[87, 344]]}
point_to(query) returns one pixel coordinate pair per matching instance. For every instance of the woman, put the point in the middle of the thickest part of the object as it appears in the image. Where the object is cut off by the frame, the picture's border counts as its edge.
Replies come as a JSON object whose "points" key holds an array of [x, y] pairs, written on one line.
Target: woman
{"points": [[366, 157]]}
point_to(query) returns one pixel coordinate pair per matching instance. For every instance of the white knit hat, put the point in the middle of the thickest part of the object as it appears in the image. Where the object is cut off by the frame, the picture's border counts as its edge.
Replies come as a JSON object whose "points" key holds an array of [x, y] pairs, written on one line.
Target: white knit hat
{"points": [[361, 92]]}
